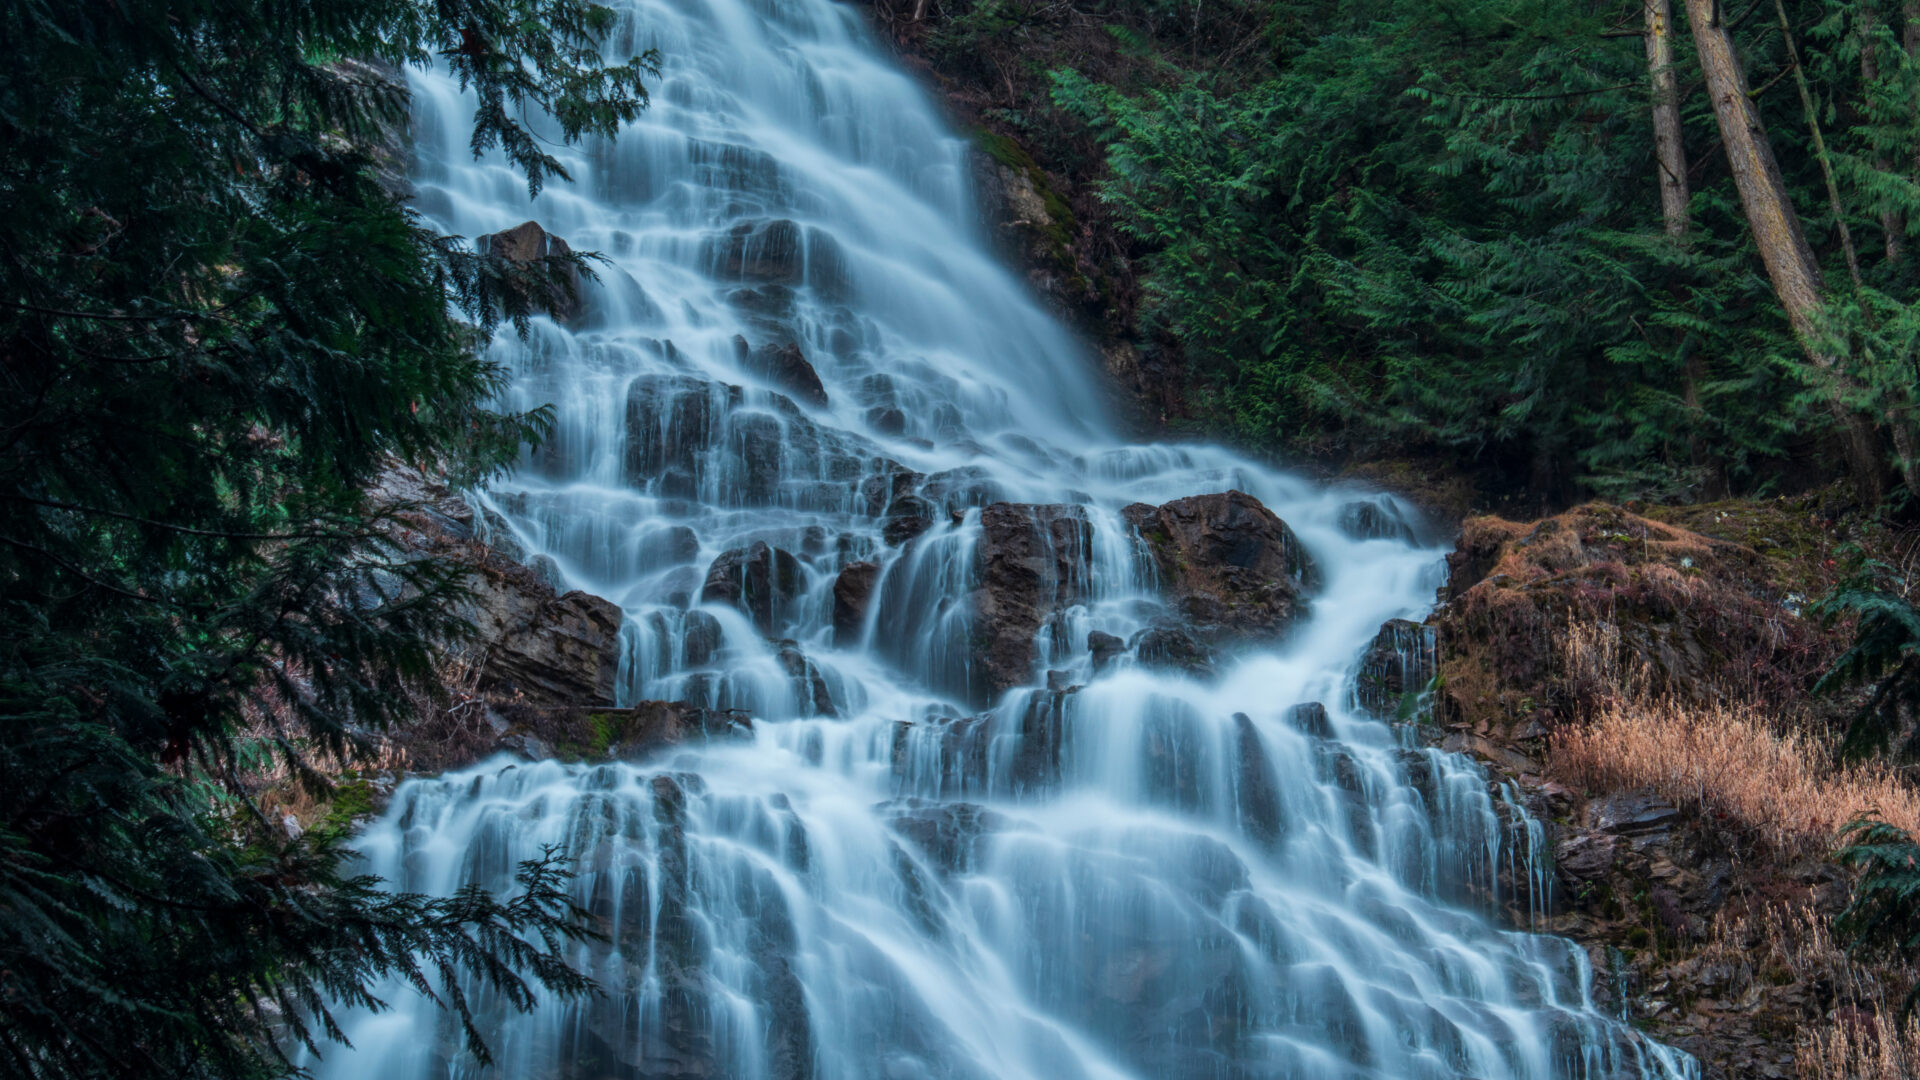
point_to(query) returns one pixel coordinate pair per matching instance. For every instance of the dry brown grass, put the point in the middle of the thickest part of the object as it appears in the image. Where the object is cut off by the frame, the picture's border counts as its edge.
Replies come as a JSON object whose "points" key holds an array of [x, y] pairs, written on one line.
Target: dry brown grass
{"points": [[1789, 946], [1724, 760], [1862, 1046]]}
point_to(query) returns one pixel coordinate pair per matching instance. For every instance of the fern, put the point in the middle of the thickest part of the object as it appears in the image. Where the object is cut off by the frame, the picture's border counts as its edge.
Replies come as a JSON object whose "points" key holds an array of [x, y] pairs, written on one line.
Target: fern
{"points": [[1885, 655]]}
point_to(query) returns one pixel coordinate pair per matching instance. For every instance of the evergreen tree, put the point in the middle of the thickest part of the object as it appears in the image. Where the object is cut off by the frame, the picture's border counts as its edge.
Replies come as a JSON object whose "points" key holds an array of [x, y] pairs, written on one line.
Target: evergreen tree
{"points": [[216, 328], [1447, 226]]}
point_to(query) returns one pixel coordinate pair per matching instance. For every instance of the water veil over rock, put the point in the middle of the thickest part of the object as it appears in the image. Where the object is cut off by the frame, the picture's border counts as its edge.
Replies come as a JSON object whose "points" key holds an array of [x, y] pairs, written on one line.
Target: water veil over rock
{"points": [[1043, 756]]}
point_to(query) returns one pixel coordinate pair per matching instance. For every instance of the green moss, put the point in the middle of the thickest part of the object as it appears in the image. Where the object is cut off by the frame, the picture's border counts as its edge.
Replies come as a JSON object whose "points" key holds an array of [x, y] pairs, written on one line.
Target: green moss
{"points": [[1061, 224], [353, 798]]}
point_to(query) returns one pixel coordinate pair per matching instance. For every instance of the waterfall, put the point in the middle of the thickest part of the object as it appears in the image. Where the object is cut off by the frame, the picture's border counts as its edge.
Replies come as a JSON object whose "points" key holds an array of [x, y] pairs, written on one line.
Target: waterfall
{"points": [[1109, 868]]}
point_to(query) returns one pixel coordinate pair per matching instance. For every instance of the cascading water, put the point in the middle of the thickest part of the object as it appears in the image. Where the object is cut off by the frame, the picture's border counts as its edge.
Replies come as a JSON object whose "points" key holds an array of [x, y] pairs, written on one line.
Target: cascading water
{"points": [[901, 873]]}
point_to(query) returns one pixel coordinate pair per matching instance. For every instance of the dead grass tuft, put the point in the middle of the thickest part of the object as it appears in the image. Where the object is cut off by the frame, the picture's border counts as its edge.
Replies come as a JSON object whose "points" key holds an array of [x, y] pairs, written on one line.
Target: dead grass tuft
{"points": [[1725, 760]]}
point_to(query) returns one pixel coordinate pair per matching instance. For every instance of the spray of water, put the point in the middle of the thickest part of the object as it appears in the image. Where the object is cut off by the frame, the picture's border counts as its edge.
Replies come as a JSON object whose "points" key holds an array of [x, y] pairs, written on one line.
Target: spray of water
{"points": [[901, 874]]}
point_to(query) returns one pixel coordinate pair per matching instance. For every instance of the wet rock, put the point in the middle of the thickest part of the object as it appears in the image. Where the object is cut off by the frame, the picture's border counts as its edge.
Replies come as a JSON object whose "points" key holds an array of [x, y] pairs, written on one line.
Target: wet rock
{"points": [[1043, 735], [943, 756], [760, 580], [852, 597], [1402, 660], [651, 726], [965, 488], [1379, 518], [701, 638], [1256, 788], [1105, 648], [672, 422], [906, 518], [948, 834], [527, 244], [1170, 648], [1311, 718], [766, 253], [785, 367], [1228, 564], [888, 484], [1033, 562], [809, 686], [1060, 681]]}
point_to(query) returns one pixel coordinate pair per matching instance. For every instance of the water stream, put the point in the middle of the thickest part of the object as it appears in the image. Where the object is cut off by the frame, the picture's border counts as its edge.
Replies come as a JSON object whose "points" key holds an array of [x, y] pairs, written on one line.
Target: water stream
{"points": [[1198, 879]]}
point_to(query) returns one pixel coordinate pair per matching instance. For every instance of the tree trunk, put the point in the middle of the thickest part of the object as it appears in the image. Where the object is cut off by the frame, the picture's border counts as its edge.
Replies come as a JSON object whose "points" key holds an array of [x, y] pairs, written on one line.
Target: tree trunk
{"points": [[1891, 223], [1776, 231], [1669, 152]]}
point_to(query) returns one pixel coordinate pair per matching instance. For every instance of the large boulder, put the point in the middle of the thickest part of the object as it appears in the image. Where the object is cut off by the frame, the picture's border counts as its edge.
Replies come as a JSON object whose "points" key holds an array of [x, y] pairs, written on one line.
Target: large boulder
{"points": [[760, 580], [1232, 568], [547, 649], [526, 244], [1032, 563]]}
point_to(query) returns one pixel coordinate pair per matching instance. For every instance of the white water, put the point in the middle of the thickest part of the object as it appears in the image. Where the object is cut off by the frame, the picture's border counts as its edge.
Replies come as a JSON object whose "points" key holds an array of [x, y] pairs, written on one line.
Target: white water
{"points": [[897, 892]]}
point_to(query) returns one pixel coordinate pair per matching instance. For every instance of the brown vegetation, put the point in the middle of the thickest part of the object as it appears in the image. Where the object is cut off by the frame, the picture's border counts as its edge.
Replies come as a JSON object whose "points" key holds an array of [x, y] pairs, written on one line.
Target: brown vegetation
{"points": [[1729, 761]]}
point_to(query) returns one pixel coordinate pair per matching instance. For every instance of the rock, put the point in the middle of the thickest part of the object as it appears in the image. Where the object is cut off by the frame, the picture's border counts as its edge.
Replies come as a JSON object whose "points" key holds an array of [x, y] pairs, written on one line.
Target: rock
{"points": [[1035, 765], [545, 649], [1401, 661], [651, 726], [809, 686], [947, 833], [526, 244], [766, 252], [1256, 788], [1060, 681], [1311, 718], [701, 638], [852, 597], [1228, 564], [672, 423], [1170, 648], [1515, 762], [760, 580], [1586, 857], [1378, 518], [1033, 562], [1633, 813], [1105, 648], [907, 517], [785, 367]]}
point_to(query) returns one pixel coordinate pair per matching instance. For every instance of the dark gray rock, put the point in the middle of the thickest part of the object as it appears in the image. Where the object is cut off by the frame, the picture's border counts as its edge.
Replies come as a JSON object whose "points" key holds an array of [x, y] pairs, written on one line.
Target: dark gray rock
{"points": [[760, 580], [852, 597], [1232, 568], [1105, 649]]}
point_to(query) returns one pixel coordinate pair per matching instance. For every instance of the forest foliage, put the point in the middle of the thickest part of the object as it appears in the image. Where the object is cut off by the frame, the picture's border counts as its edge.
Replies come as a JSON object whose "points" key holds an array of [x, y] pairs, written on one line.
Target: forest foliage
{"points": [[1437, 226], [218, 323]]}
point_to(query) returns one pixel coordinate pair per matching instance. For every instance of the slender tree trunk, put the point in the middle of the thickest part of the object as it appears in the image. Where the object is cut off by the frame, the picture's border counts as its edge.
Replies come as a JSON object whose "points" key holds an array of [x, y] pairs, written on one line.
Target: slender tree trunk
{"points": [[1776, 231], [1819, 145], [1669, 151], [1891, 220]]}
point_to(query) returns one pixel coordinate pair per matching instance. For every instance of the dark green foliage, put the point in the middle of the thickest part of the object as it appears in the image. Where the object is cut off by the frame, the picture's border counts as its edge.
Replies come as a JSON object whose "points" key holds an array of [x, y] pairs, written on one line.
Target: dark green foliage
{"points": [[216, 328], [1884, 913], [1885, 656], [1437, 226]]}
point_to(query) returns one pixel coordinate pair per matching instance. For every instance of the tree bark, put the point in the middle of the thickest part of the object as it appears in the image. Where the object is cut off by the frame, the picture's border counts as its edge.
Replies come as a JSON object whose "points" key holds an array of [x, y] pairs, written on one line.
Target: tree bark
{"points": [[1776, 232], [1669, 151]]}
